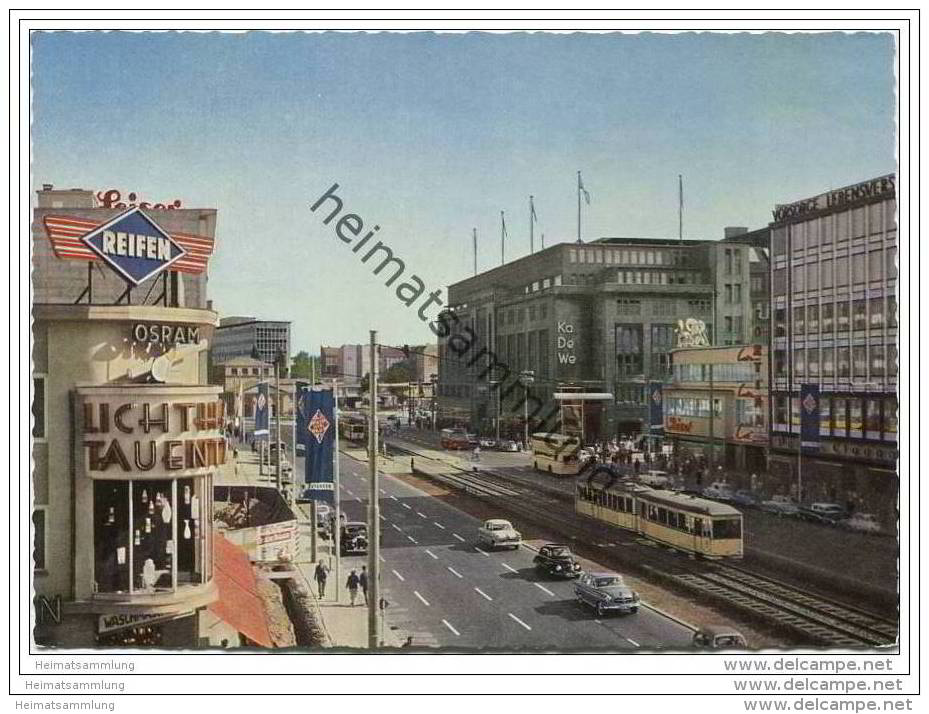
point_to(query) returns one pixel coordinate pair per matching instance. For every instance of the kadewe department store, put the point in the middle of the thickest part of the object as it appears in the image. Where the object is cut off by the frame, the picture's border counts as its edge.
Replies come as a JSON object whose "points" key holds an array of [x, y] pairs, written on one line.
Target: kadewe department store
{"points": [[127, 433]]}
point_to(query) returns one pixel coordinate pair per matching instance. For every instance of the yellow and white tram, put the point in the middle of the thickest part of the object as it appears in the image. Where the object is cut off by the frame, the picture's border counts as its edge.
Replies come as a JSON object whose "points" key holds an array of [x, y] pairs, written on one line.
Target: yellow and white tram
{"points": [[686, 523]]}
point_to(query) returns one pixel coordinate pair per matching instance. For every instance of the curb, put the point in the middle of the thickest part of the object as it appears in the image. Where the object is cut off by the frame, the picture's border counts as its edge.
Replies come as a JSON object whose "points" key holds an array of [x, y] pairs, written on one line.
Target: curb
{"points": [[674, 618]]}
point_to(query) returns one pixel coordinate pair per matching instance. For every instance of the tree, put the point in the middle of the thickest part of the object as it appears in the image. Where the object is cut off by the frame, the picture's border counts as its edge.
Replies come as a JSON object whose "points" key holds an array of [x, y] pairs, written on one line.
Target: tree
{"points": [[399, 372], [304, 366]]}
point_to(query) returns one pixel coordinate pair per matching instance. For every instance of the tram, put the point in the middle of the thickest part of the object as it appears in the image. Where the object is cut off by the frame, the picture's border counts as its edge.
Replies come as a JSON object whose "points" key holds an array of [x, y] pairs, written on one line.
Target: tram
{"points": [[353, 428], [686, 523], [555, 453]]}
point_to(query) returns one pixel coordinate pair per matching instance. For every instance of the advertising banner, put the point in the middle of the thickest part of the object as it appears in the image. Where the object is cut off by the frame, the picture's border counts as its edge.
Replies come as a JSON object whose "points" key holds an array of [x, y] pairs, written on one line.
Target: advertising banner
{"points": [[319, 435], [809, 416], [261, 412], [302, 401], [277, 541], [655, 406]]}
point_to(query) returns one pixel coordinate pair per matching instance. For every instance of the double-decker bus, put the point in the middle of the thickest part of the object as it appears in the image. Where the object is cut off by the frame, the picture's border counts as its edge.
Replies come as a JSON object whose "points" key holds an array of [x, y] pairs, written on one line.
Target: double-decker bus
{"points": [[454, 439], [556, 454]]}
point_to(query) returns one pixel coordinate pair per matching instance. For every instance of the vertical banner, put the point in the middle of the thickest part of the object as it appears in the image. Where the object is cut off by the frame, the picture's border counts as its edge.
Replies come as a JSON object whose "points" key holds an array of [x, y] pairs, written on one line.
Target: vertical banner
{"points": [[809, 416], [655, 406], [320, 440], [261, 411], [302, 411]]}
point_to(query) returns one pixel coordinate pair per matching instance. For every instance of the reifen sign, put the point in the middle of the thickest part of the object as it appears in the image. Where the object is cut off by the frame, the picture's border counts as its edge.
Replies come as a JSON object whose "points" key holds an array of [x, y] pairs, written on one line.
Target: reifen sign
{"points": [[134, 246]]}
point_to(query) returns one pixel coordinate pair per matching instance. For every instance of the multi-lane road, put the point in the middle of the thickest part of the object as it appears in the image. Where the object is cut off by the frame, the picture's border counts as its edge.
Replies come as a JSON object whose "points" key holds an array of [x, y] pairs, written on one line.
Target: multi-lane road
{"points": [[447, 592]]}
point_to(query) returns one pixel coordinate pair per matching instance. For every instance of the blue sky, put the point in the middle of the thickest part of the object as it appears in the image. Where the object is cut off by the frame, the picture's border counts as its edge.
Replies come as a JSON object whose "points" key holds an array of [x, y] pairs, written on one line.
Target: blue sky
{"points": [[431, 135]]}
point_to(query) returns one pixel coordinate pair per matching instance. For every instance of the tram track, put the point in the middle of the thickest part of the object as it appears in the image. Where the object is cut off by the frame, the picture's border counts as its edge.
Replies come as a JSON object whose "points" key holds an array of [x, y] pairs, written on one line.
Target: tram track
{"points": [[812, 618]]}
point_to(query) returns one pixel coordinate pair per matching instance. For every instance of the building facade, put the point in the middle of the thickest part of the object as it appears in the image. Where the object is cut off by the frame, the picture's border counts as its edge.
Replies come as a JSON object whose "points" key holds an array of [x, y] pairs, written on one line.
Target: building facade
{"points": [[598, 318], [734, 432], [243, 336], [834, 325], [127, 432]]}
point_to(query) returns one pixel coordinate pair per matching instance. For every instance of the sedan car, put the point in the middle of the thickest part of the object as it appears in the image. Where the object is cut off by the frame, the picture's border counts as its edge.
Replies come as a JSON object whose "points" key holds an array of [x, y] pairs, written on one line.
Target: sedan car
{"points": [[862, 522], [353, 538], [826, 513], [497, 532], [716, 637], [744, 498], [606, 592], [508, 445], [488, 443], [780, 505], [557, 560]]}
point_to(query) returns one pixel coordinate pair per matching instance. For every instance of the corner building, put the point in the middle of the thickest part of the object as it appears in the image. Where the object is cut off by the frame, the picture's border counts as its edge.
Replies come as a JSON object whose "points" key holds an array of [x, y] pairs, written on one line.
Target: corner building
{"points": [[596, 318], [127, 436], [834, 325]]}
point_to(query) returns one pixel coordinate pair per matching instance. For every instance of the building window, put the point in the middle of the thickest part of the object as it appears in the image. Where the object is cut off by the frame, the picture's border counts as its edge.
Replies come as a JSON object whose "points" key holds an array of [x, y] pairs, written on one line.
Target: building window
{"points": [[798, 326], [839, 416], [779, 281], [812, 233], [825, 416], [557, 280], [890, 417], [875, 265], [38, 542], [812, 362], [828, 361], [855, 421], [234, 371], [779, 241], [628, 306], [812, 318], [841, 226], [877, 313], [812, 276], [842, 358], [891, 311], [828, 318], [842, 320], [827, 273], [875, 218], [841, 271], [877, 360], [780, 363], [860, 361], [39, 405], [629, 350], [728, 294], [799, 277], [737, 260], [891, 263], [799, 363], [780, 322], [780, 410], [151, 536], [891, 360], [859, 314], [858, 265], [796, 235], [858, 222]]}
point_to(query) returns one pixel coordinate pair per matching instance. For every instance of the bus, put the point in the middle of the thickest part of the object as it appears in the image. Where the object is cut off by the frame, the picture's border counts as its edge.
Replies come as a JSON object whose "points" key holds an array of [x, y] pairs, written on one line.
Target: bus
{"points": [[556, 454], [692, 525], [454, 439]]}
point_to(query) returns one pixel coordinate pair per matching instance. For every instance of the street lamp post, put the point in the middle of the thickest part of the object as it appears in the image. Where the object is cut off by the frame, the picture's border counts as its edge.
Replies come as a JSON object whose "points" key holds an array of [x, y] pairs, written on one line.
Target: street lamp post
{"points": [[526, 378]]}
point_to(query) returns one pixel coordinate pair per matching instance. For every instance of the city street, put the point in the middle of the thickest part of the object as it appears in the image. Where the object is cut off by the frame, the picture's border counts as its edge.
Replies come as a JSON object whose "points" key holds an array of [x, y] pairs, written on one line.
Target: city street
{"points": [[448, 592]]}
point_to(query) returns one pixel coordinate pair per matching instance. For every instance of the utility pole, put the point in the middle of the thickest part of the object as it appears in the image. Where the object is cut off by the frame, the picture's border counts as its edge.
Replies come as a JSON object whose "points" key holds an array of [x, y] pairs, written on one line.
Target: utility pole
{"points": [[374, 596], [277, 413], [712, 459]]}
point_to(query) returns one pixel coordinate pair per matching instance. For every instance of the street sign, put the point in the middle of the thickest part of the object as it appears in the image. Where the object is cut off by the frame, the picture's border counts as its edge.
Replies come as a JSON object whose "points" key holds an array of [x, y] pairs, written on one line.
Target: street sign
{"points": [[134, 246]]}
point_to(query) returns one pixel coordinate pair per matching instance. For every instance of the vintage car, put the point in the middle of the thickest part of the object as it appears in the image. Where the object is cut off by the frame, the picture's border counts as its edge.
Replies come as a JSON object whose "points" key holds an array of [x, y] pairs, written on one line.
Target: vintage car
{"points": [[862, 522], [780, 505], [353, 538], [716, 637], [606, 592], [826, 513], [557, 560], [656, 478], [507, 445], [496, 533], [744, 498], [719, 491]]}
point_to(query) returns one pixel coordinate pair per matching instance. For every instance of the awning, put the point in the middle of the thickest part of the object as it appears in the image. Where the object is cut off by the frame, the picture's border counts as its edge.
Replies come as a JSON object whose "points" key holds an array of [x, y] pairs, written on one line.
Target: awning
{"points": [[239, 603]]}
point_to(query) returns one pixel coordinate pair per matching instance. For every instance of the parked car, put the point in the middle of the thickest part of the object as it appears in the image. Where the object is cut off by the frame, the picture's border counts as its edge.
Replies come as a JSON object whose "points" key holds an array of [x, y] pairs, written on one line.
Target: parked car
{"points": [[606, 592], [497, 532], [301, 449], [719, 491], [718, 637], [507, 445], [557, 560], [353, 538], [488, 443], [656, 479], [744, 498], [780, 505], [825, 513], [862, 522]]}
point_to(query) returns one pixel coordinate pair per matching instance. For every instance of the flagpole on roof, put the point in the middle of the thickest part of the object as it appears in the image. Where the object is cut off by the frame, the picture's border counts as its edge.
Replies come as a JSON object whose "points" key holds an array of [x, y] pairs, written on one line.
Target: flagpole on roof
{"points": [[580, 190], [531, 222], [680, 208], [502, 239], [474, 237]]}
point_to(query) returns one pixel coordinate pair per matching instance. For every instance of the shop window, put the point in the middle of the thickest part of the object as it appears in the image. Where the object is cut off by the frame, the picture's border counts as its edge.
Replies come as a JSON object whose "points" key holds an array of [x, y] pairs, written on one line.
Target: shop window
{"points": [[890, 417], [38, 407], [840, 416], [872, 415], [860, 314], [855, 416], [151, 535], [825, 415], [38, 542]]}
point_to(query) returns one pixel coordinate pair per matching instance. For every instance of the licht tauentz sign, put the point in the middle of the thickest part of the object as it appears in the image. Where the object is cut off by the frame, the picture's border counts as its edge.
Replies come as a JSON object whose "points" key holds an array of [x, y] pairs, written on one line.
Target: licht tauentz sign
{"points": [[134, 246], [883, 186]]}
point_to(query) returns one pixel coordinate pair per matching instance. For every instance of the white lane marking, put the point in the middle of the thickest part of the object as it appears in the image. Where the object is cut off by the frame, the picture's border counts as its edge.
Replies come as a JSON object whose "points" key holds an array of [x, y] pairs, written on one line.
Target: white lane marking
{"points": [[458, 537], [454, 572], [395, 498], [483, 594], [381, 516], [421, 515], [633, 642], [412, 539], [399, 577], [448, 625], [395, 526], [519, 621], [383, 492], [382, 558], [431, 554], [512, 570], [544, 589], [482, 552], [424, 600], [407, 506], [439, 525], [349, 492], [358, 499]]}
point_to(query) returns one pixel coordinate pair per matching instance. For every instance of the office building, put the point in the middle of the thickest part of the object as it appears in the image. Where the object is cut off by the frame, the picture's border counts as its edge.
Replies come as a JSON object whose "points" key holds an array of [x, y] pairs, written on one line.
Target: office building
{"points": [[244, 336]]}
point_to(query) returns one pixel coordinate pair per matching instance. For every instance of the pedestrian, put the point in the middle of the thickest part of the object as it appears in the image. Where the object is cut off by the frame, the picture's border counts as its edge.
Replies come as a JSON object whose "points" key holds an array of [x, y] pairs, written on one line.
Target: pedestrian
{"points": [[352, 584], [321, 574], [363, 582], [409, 642]]}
